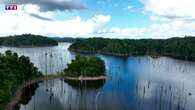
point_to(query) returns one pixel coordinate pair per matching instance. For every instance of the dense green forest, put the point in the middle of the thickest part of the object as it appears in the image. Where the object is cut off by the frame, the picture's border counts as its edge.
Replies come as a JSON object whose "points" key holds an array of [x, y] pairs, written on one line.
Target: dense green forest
{"points": [[182, 48], [85, 66], [65, 39], [27, 40], [13, 71]]}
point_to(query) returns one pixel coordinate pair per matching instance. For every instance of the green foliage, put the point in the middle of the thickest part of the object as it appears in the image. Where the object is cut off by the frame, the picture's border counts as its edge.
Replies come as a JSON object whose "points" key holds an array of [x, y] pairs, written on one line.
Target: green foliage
{"points": [[27, 40], [89, 45], [13, 71], [1, 107], [180, 47], [85, 66], [65, 39], [175, 47], [115, 46]]}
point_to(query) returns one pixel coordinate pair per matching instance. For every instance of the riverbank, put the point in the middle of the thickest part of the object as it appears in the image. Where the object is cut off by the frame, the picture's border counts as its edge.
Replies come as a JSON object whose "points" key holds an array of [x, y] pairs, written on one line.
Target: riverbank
{"points": [[181, 48], [81, 78], [15, 100], [179, 57], [99, 52], [114, 54]]}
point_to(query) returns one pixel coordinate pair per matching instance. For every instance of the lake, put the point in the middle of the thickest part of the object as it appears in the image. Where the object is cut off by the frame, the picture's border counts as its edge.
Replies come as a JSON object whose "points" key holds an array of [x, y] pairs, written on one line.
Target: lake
{"points": [[133, 83]]}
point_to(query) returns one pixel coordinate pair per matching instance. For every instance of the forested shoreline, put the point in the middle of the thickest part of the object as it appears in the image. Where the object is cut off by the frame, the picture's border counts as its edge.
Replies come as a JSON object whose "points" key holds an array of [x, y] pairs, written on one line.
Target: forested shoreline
{"points": [[27, 40], [181, 48], [14, 71], [64, 39]]}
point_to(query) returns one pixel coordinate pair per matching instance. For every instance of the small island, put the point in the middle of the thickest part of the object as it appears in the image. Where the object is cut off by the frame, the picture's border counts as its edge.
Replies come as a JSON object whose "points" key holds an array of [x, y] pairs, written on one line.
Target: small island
{"points": [[27, 40], [85, 68], [85, 72]]}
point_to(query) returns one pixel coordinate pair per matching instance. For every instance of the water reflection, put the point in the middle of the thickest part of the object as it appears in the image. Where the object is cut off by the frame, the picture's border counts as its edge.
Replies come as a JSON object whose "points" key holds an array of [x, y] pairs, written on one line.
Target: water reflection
{"points": [[137, 83], [27, 94], [86, 83], [48, 59], [59, 95]]}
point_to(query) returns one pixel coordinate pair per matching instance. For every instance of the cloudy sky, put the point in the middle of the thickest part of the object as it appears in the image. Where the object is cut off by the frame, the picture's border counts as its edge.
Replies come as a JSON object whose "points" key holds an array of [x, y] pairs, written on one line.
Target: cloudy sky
{"points": [[100, 18]]}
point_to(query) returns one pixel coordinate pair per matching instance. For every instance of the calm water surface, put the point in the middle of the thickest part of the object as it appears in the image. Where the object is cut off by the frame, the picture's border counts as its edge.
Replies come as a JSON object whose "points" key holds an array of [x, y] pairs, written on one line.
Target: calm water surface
{"points": [[134, 83]]}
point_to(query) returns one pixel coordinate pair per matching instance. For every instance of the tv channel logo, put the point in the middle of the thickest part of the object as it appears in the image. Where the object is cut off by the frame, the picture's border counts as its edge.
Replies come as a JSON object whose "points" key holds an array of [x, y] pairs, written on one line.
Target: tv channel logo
{"points": [[11, 7]]}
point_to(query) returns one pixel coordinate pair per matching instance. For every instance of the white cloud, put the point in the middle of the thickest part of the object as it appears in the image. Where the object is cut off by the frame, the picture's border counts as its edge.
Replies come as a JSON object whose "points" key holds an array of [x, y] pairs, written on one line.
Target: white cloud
{"points": [[171, 8], [34, 9], [19, 23], [132, 32], [176, 28], [169, 18]]}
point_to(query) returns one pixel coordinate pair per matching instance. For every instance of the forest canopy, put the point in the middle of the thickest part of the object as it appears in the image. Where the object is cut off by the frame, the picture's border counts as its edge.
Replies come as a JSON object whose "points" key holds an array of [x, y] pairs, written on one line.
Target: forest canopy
{"points": [[13, 71], [27, 40], [86, 67], [175, 47]]}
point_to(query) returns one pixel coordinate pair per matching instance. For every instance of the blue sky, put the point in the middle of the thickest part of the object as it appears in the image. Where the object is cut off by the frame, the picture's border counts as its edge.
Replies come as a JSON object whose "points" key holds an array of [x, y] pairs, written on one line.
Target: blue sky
{"points": [[121, 16], [131, 19]]}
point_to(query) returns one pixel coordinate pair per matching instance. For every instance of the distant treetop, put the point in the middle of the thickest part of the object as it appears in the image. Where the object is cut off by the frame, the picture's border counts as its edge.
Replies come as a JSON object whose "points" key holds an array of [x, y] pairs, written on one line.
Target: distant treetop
{"points": [[27, 40]]}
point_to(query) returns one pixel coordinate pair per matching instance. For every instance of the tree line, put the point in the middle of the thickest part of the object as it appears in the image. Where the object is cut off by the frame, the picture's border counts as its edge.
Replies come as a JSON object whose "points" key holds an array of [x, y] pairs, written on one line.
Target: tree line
{"points": [[27, 40], [13, 71], [65, 39], [182, 48]]}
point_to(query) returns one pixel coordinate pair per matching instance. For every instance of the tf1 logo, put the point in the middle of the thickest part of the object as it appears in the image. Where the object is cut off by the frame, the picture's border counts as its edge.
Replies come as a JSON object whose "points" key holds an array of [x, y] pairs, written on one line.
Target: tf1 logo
{"points": [[11, 7]]}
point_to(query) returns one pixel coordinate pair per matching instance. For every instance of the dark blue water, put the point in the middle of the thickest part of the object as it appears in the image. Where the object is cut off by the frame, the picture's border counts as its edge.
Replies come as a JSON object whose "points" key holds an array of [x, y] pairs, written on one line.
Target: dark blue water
{"points": [[133, 83]]}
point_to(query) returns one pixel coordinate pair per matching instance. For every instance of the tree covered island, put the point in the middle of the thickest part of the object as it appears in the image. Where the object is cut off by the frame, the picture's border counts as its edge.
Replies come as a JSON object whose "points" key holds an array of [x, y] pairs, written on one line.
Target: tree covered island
{"points": [[181, 48], [85, 68], [14, 70], [27, 40]]}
